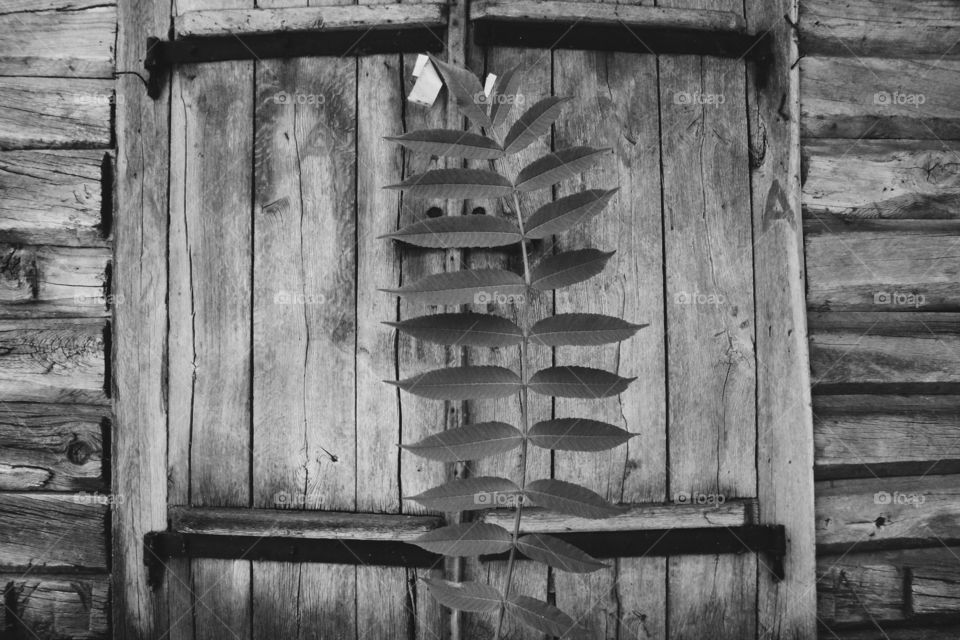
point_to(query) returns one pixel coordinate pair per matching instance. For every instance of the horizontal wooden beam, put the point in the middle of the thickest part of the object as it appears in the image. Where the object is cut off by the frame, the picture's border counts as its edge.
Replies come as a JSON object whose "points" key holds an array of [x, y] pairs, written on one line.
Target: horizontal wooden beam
{"points": [[54, 607], [608, 27], [56, 532], [54, 281], [55, 113], [75, 43]]}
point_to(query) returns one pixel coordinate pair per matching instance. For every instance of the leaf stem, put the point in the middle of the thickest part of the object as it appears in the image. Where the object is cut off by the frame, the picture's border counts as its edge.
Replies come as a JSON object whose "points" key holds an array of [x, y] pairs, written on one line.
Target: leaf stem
{"points": [[524, 423]]}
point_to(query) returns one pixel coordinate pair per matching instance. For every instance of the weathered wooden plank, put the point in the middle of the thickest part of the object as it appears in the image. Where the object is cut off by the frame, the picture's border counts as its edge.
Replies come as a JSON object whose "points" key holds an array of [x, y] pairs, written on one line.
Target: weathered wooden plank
{"points": [[55, 112], [887, 513], [913, 632], [872, 587], [886, 435], [881, 178], [882, 265], [879, 98], [861, 352], [663, 16], [54, 531], [75, 44], [786, 608], [614, 95], [898, 28], [52, 281], [56, 607], [241, 22], [733, 513], [934, 591], [23, 6], [139, 436], [52, 447], [53, 361], [709, 301], [55, 197]]}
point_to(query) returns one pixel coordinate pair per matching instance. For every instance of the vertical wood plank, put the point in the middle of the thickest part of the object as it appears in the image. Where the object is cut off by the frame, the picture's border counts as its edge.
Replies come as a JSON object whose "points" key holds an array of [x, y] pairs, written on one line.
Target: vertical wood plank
{"points": [[785, 609], [139, 328], [709, 301], [616, 105], [210, 315]]}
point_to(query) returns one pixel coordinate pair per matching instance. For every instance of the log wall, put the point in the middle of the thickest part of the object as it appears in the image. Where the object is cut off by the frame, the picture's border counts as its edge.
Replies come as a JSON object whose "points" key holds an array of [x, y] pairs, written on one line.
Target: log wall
{"points": [[56, 107], [879, 83]]}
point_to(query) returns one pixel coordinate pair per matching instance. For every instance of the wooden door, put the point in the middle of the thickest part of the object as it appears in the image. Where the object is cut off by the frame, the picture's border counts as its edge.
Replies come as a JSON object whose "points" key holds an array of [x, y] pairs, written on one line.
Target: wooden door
{"points": [[275, 348]]}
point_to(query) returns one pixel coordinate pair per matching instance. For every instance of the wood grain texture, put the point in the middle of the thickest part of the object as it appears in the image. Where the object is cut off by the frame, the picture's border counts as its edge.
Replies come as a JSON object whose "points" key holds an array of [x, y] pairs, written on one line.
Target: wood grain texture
{"points": [[913, 632], [608, 13], [881, 178], [887, 352], [53, 197], [709, 314], [934, 591], [50, 281], [139, 434], [55, 112], [879, 98], [887, 513], [614, 96], [55, 532], [900, 28], [56, 607], [75, 44], [882, 265], [870, 588], [873, 436], [272, 19], [53, 361], [53, 447]]}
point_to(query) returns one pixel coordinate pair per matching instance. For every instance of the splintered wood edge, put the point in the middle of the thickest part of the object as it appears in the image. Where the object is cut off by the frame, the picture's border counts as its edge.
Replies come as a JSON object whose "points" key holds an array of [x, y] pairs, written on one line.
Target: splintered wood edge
{"points": [[601, 14], [241, 22], [299, 524], [731, 513]]}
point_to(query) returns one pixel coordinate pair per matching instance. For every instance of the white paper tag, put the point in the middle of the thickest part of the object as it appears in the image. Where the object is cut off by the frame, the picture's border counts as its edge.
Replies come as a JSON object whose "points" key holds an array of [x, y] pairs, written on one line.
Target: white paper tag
{"points": [[488, 85], [427, 87]]}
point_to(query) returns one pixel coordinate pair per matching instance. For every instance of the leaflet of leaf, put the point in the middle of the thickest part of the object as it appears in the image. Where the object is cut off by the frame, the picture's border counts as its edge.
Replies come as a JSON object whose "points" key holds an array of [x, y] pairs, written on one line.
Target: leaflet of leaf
{"points": [[577, 434], [581, 330], [567, 268], [462, 329], [462, 287], [453, 232], [578, 382], [468, 494], [471, 442], [560, 215], [570, 499], [476, 597], [557, 553], [462, 383], [466, 91], [535, 122], [455, 184], [469, 539], [556, 167], [450, 143], [543, 617], [504, 95]]}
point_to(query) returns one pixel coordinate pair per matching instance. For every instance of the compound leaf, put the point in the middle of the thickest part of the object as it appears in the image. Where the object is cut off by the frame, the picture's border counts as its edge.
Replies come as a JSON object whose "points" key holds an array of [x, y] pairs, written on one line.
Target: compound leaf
{"points": [[558, 216], [464, 596], [462, 329], [557, 553], [578, 382], [556, 167], [581, 330], [569, 267], [455, 184], [469, 494], [462, 383], [450, 143], [570, 499], [470, 442], [464, 287], [470, 539], [466, 90], [577, 434], [452, 232], [535, 122]]}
